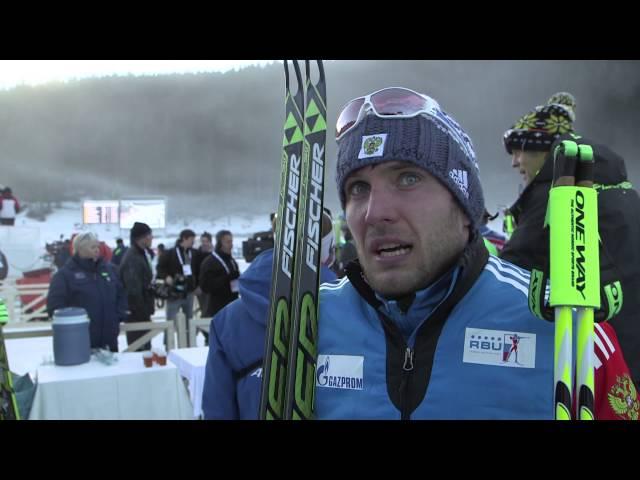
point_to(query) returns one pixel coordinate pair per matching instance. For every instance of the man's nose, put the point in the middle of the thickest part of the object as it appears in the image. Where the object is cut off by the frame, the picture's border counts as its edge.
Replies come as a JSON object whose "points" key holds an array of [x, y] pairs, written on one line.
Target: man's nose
{"points": [[381, 206]]}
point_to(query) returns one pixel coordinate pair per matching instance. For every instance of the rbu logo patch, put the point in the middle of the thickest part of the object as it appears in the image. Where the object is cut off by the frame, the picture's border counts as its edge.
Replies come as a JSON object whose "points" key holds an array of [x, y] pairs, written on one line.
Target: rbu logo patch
{"points": [[499, 348], [344, 372]]}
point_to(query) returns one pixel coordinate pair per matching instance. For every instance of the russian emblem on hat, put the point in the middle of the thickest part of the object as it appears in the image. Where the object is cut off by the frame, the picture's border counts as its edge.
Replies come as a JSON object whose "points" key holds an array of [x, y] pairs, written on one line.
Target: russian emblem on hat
{"points": [[372, 145]]}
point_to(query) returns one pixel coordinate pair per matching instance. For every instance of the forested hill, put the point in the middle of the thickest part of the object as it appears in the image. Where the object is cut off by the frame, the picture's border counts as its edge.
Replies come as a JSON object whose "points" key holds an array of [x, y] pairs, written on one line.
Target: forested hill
{"points": [[218, 136]]}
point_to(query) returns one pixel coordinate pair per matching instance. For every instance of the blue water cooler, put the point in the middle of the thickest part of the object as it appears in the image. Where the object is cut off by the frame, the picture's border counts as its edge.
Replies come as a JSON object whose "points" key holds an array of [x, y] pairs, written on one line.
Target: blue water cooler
{"points": [[71, 340]]}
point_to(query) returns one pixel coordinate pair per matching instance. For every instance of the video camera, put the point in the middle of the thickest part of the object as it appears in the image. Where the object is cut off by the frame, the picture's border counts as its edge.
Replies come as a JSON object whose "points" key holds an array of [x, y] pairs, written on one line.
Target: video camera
{"points": [[54, 248], [58, 252], [164, 291], [259, 242]]}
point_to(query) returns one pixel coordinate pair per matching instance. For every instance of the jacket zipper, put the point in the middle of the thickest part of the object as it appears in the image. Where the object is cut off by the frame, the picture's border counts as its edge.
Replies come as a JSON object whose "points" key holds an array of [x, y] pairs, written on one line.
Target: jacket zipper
{"points": [[408, 362], [407, 371]]}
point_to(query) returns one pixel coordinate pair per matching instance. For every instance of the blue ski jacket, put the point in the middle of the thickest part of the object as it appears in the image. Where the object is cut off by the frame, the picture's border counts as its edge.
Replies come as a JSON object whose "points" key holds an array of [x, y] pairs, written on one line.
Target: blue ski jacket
{"points": [[233, 373], [96, 287], [467, 347]]}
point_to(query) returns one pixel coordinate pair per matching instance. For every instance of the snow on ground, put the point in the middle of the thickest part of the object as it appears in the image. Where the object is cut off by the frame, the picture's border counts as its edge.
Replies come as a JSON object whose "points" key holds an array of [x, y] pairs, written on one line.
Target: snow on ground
{"points": [[28, 238]]}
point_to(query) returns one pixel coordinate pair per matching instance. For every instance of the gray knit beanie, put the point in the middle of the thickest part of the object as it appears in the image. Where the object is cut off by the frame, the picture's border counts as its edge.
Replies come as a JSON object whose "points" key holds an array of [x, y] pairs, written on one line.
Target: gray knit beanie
{"points": [[436, 143]]}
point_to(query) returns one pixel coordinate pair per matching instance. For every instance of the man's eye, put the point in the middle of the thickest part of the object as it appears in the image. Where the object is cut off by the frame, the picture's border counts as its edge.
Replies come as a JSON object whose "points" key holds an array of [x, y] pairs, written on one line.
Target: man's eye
{"points": [[356, 188], [409, 179]]}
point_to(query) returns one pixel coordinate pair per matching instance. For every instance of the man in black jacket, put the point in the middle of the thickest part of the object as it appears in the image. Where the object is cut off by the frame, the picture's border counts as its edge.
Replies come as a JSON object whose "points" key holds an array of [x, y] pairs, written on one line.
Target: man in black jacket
{"points": [[199, 255], [175, 267], [219, 275], [118, 253], [531, 142], [137, 276]]}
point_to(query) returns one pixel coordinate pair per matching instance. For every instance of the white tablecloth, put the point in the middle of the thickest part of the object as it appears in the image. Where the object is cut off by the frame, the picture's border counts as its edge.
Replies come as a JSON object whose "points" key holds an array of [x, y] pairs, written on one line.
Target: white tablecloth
{"points": [[125, 390], [192, 362]]}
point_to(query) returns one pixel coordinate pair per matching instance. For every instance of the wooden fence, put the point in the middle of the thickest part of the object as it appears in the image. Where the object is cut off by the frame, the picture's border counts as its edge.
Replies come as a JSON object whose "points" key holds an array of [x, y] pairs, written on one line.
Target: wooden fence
{"points": [[29, 319]]}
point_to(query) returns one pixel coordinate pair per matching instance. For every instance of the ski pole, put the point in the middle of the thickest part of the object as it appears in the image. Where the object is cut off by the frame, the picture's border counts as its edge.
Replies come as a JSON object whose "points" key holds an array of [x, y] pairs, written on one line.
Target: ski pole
{"points": [[8, 403], [585, 383], [574, 271], [559, 225]]}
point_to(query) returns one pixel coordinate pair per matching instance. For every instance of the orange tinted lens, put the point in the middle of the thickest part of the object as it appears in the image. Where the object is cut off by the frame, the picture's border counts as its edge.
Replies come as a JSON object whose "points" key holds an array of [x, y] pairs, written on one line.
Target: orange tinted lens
{"points": [[349, 116], [397, 101]]}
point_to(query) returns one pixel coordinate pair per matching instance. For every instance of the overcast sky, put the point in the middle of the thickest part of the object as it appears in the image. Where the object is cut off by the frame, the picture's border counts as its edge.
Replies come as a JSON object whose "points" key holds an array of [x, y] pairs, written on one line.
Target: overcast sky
{"points": [[36, 72]]}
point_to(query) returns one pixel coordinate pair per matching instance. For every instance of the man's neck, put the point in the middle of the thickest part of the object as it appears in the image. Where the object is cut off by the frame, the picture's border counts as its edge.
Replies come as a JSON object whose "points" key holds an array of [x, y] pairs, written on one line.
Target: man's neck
{"points": [[405, 302]]}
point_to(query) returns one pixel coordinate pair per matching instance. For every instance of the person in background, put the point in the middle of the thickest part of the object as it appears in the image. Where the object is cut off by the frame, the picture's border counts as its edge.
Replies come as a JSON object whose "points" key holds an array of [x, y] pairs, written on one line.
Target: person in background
{"points": [[4, 266], [199, 255], [219, 274], [89, 282], [346, 253], [494, 241], [136, 272], [63, 253], [175, 267], [104, 251], [118, 253], [237, 333], [9, 207], [530, 143]]}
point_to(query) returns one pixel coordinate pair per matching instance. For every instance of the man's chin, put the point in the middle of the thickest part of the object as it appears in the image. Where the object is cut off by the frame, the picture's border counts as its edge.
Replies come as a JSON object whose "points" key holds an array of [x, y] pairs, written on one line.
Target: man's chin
{"points": [[390, 283]]}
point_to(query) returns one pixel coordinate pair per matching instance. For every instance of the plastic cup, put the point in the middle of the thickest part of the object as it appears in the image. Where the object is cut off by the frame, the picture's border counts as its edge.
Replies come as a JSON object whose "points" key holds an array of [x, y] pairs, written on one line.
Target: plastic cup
{"points": [[161, 357], [147, 358]]}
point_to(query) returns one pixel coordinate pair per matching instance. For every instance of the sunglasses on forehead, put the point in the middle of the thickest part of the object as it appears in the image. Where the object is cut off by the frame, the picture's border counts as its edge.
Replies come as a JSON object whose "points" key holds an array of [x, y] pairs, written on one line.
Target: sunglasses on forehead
{"points": [[397, 102], [400, 102]]}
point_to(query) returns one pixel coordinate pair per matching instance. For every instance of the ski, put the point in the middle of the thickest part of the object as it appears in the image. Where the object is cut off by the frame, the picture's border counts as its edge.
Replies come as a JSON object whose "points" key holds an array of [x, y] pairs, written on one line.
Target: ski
{"points": [[8, 403], [274, 371], [300, 386]]}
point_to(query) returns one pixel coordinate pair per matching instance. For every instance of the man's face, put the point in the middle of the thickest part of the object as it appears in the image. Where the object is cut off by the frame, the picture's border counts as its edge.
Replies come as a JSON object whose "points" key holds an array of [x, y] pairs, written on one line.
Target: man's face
{"points": [[226, 244], [527, 163], [188, 242], [145, 242], [408, 228], [205, 244]]}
